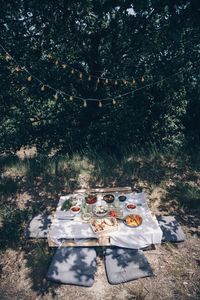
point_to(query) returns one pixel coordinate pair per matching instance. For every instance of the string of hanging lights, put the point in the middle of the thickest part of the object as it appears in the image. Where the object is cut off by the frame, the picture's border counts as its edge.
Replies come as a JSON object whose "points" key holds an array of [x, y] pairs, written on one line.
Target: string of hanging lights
{"points": [[43, 86], [89, 77]]}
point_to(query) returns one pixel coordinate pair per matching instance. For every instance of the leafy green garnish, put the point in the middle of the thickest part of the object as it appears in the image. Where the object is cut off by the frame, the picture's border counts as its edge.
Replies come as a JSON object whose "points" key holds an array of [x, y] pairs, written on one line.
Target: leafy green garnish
{"points": [[68, 203]]}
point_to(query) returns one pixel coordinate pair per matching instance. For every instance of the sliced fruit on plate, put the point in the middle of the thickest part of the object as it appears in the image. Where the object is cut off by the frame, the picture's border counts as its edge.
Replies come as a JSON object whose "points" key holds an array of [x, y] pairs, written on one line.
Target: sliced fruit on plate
{"points": [[133, 220]]}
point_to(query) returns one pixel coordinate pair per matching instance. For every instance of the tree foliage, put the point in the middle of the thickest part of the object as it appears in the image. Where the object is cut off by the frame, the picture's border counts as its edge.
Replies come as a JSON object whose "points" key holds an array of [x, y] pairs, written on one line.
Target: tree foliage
{"points": [[114, 39]]}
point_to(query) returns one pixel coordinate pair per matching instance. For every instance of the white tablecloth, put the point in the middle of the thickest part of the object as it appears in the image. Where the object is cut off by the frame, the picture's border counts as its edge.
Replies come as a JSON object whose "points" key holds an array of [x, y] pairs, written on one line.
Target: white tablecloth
{"points": [[142, 236]]}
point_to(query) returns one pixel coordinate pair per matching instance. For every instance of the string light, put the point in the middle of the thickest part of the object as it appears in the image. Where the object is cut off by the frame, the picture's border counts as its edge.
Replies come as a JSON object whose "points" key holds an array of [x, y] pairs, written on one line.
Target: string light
{"points": [[90, 76], [71, 98], [29, 78], [17, 69], [107, 80], [113, 101], [125, 82], [56, 96], [8, 57], [85, 103]]}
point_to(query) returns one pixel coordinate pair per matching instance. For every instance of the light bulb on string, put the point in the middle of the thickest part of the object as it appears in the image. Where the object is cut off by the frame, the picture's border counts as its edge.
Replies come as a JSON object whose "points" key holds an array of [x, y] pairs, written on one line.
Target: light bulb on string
{"points": [[71, 98], [81, 76], [133, 81], [49, 56], [29, 78], [56, 96], [116, 82], [113, 101], [43, 88], [125, 82], [89, 77], [64, 66], [85, 103], [72, 71], [7, 57], [98, 80], [106, 81], [17, 69], [100, 103], [56, 62], [142, 79]]}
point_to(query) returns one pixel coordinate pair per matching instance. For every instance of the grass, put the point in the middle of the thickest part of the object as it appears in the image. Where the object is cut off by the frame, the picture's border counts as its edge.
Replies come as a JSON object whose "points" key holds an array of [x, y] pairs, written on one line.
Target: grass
{"points": [[188, 195], [44, 178], [100, 169]]}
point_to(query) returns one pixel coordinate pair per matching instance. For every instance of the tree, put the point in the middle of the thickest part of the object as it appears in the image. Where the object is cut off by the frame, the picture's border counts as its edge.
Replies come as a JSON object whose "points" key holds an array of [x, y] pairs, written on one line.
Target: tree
{"points": [[108, 39]]}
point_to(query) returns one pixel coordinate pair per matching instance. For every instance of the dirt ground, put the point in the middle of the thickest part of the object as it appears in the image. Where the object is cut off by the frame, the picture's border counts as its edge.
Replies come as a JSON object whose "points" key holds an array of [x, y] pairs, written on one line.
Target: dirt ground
{"points": [[24, 263], [176, 276]]}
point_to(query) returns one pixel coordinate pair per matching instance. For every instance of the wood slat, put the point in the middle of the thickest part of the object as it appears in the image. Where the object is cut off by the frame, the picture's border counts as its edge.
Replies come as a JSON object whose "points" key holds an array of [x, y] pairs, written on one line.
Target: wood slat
{"points": [[125, 189], [103, 241]]}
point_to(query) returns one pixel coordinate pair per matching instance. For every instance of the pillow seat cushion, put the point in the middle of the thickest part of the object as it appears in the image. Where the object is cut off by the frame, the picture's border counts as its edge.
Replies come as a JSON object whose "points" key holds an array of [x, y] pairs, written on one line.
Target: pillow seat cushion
{"points": [[73, 265], [172, 231], [123, 265], [38, 227]]}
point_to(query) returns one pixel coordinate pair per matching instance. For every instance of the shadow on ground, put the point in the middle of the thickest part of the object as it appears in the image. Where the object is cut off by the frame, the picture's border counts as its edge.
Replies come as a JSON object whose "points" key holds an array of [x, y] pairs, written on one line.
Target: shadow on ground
{"points": [[45, 179]]}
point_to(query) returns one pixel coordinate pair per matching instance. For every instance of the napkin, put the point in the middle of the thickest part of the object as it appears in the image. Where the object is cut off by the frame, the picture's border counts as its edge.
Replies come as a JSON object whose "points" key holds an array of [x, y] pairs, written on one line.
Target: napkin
{"points": [[64, 215]]}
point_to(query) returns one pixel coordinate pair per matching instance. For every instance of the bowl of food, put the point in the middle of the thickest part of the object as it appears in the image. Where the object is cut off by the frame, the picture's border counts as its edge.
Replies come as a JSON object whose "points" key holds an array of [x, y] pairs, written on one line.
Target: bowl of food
{"points": [[130, 206], [109, 198], [75, 210], [133, 220], [91, 199], [101, 209], [122, 198], [86, 216]]}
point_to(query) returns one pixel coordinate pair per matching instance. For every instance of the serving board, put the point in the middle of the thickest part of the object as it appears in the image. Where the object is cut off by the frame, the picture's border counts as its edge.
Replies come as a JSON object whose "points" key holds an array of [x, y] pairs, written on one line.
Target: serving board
{"points": [[125, 189]]}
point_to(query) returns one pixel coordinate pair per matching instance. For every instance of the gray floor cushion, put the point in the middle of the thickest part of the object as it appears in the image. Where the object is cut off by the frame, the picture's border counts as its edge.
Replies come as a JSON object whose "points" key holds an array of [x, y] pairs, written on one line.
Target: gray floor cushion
{"points": [[73, 265], [38, 227], [123, 265], [172, 231]]}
